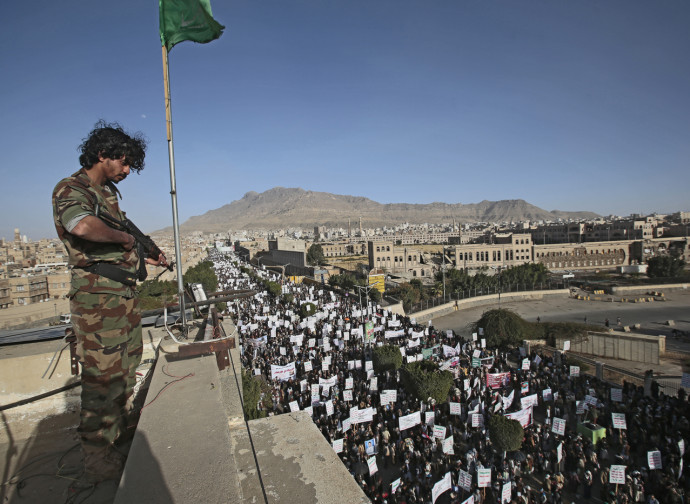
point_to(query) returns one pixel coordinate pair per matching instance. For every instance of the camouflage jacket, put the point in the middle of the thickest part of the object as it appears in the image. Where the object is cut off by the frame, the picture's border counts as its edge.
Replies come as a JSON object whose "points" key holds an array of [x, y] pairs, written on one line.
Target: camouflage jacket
{"points": [[75, 196]]}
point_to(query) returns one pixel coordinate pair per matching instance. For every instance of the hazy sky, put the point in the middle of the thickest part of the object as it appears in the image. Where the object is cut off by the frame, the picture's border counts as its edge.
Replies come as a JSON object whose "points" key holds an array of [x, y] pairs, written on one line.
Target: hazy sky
{"points": [[570, 105]]}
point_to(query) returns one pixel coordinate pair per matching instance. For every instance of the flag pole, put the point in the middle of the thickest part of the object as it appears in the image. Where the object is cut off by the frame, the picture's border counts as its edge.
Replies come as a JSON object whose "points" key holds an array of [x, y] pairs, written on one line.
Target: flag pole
{"points": [[173, 188]]}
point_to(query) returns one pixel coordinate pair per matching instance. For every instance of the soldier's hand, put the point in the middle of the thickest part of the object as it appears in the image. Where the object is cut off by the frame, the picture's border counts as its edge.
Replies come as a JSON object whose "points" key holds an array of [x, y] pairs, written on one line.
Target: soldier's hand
{"points": [[129, 245], [161, 261]]}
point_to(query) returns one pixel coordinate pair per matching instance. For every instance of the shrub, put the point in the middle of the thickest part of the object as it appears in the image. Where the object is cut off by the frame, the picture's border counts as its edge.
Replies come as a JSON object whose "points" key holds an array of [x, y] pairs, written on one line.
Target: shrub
{"points": [[505, 434], [424, 380], [251, 394], [387, 358], [307, 309], [502, 328]]}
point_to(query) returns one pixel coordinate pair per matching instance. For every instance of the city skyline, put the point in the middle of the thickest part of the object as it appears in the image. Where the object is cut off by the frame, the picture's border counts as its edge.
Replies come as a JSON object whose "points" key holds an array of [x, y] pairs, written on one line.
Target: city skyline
{"points": [[569, 106]]}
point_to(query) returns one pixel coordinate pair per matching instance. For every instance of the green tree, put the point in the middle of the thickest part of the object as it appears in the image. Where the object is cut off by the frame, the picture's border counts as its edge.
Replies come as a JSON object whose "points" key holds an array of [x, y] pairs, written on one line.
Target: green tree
{"points": [[315, 255], [253, 391], [506, 434], [375, 295], [664, 266], [204, 274], [307, 309], [387, 358], [502, 328], [407, 295], [424, 379]]}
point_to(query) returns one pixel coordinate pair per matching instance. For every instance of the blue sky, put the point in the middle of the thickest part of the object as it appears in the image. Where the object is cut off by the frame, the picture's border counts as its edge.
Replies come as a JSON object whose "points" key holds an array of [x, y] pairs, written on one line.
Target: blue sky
{"points": [[570, 105]]}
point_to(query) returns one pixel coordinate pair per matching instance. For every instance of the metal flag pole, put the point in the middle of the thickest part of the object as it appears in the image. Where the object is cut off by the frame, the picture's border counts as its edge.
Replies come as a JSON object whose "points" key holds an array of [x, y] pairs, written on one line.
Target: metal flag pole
{"points": [[173, 188]]}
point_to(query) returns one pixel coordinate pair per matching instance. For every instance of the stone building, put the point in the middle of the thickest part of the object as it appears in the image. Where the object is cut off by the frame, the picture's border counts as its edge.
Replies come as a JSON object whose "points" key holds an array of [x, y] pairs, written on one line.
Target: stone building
{"points": [[508, 250], [583, 256], [399, 260], [28, 289]]}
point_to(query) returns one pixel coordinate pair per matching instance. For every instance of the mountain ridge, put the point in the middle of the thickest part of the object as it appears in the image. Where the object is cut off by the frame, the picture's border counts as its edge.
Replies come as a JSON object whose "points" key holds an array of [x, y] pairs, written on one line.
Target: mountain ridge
{"points": [[281, 207]]}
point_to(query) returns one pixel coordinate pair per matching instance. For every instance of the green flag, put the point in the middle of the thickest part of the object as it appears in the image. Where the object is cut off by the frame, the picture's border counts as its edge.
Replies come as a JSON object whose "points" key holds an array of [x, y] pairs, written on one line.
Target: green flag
{"points": [[182, 20]]}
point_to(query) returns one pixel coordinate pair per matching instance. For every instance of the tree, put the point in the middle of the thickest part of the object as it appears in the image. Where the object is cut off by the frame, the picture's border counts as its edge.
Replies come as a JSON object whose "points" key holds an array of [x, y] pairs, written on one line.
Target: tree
{"points": [[425, 380], [502, 328], [204, 274], [315, 255], [375, 295], [505, 434], [387, 358], [664, 266]]}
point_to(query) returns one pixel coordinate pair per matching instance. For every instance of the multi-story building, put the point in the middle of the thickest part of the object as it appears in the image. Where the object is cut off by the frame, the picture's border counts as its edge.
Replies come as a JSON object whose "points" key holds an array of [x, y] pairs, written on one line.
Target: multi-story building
{"points": [[5, 293], [59, 283], [399, 260], [508, 250], [28, 289], [583, 256], [343, 249]]}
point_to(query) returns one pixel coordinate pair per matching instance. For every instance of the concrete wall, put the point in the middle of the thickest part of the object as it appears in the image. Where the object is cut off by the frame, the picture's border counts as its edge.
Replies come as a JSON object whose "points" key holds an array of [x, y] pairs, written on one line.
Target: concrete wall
{"points": [[641, 289], [617, 345], [438, 311]]}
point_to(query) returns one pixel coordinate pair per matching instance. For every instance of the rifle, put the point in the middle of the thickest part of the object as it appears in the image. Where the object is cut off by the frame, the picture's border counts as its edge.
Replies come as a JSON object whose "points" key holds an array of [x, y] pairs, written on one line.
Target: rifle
{"points": [[146, 247]]}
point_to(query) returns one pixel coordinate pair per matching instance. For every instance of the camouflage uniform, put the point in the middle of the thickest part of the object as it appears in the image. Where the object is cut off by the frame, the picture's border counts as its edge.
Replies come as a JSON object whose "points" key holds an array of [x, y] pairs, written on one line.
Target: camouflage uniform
{"points": [[105, 318]]}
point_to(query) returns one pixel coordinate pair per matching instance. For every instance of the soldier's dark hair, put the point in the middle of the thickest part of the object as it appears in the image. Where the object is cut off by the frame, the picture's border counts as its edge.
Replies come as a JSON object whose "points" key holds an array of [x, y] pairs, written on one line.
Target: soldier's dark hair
{"points": [[110, 141]]}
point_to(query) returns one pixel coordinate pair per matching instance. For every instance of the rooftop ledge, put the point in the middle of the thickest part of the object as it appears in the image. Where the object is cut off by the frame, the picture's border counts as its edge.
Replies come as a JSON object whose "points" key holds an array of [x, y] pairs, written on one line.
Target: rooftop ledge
{"points": [[192, 443]]}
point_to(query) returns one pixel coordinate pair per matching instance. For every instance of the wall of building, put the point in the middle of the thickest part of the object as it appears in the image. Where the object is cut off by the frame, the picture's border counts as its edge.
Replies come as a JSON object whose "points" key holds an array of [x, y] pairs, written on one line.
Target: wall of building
{"points": [[616, 345]]}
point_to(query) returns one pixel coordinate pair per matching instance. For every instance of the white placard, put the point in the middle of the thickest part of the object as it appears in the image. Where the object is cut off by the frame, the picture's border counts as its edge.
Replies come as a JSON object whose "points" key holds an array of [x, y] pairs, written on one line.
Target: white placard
{"points": [[464, 480], [566, 345], [439, 432], [525, 364], [347, 395], [617, 475], [558, 426], [455, 408], [654, 459], [574, 371], [483, 478], [441, 486], [506, 492], [617, 394], [294, 406], [338, 445], [619, 421], [371, 462]]}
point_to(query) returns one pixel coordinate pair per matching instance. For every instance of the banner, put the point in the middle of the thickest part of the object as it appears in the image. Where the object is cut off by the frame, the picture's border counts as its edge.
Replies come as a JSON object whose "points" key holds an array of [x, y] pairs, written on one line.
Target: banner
{"points": [[524, 416], [441, 486], [409, 421], [283, 373], [530, 400], [508, 401], [497, 380], [388, 396]]}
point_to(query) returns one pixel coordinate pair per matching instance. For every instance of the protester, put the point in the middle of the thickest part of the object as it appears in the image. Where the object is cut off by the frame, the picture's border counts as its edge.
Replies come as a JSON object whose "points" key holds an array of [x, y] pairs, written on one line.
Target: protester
{"points": [[390, 441]]}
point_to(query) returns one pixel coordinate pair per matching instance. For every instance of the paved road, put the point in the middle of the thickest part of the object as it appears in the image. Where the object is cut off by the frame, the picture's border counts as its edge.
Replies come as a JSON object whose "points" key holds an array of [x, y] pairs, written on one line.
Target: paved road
{"points": [[652, 316]]}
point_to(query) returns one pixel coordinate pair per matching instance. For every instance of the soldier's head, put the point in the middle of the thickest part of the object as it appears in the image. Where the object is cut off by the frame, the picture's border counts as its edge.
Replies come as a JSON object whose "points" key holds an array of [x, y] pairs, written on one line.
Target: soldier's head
{"points": [[109, 140]]}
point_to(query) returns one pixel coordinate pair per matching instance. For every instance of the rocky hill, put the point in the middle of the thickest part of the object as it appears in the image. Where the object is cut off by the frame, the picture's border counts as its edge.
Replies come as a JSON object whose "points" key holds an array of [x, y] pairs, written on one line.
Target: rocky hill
{"points": [[282, 207]]}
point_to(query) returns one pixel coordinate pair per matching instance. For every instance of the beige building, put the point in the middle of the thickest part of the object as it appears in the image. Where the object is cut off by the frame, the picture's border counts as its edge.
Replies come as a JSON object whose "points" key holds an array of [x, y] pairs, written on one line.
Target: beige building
{"points": [[343, 249], [59, 284], [509, 250], [28, 289], [583, 256], [5, 296], [399, 260]]}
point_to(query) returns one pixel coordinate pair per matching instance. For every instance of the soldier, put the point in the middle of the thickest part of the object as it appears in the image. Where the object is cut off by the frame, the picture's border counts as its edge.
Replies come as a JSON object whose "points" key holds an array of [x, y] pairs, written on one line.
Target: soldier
{"points": [[105, 313]]}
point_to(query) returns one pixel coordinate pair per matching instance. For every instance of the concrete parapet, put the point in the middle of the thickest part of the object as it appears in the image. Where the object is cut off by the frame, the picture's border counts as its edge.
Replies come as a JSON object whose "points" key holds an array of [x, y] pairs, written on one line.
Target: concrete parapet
{"points": [[507, 297], [192, 444]]}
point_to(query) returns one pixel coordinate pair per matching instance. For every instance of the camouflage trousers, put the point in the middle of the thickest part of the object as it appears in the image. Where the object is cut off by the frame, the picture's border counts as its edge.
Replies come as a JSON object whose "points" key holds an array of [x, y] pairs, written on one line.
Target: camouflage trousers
{"points": [[109, 347]]}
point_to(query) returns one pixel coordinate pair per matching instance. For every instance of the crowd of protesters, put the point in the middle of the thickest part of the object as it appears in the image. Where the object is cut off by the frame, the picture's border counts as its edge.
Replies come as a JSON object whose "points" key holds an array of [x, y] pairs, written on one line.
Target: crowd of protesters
{"points": [[322, 363]]}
